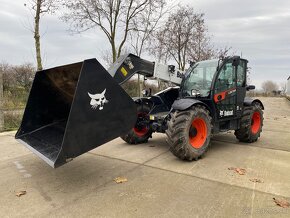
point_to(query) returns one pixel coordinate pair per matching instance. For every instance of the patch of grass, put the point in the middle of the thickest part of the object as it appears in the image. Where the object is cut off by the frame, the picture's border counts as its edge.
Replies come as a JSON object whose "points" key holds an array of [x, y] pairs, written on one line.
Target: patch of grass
{"points": [[15, 99], [12, 121]]}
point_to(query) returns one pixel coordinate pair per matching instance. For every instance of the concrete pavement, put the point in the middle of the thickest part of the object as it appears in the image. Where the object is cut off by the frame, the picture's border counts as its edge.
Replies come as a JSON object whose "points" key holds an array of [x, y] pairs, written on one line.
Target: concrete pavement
{"points": [[159, 184]]}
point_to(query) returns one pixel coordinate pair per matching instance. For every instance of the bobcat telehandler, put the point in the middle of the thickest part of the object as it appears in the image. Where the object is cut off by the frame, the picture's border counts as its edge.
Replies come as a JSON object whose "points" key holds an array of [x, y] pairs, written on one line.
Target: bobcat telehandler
{"points": [[74, 108]]}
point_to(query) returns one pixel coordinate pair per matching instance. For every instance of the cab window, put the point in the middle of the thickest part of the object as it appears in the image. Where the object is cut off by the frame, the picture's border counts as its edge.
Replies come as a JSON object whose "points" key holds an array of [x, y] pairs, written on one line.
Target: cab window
{"points": [[241, 74], [226, 78]]}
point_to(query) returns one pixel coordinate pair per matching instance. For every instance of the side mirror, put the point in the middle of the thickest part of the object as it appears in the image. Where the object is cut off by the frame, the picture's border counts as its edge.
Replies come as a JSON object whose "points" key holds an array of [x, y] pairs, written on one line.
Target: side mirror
{"points": [[250, 87], [195, 92]]}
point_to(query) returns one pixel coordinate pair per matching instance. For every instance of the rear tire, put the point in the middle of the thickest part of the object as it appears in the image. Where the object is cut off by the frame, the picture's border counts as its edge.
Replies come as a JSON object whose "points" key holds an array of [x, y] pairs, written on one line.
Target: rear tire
{"points": [[251, 124], [189, 132], [140, 133]]}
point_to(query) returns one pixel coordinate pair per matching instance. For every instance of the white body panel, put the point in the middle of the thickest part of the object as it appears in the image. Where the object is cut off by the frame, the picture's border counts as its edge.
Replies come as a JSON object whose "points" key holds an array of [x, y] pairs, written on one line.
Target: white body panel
{"points": [[162, 72]]}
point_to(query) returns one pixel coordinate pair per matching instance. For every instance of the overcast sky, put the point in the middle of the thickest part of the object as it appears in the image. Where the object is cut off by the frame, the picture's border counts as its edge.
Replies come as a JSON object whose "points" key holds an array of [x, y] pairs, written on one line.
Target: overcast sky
{"points": [[259, 30]]}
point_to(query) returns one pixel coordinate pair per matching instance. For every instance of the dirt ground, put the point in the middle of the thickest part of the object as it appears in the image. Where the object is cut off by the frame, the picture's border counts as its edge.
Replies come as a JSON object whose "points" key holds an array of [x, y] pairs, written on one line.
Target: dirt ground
{"points": [[159, 184]]}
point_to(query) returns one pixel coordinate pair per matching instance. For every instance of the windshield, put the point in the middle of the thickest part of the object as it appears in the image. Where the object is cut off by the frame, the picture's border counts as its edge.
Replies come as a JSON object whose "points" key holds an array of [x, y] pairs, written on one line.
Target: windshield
{"points": [[199, 77]]}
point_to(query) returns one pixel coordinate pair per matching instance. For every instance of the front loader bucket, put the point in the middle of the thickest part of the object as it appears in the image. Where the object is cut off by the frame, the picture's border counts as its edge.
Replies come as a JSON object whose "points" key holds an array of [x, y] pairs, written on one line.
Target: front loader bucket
{"points": [[72, 109]]}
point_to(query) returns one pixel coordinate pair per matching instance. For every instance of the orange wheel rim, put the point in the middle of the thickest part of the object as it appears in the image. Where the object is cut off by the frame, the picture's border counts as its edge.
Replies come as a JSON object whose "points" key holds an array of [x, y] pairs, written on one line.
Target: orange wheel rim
{"points": [[256, 122], [141, 130], [198, 133]]}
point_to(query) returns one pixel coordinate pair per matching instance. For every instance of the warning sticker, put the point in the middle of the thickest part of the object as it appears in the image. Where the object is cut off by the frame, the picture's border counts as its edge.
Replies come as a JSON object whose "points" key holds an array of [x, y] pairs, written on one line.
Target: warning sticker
{"points": [[124, 71]]}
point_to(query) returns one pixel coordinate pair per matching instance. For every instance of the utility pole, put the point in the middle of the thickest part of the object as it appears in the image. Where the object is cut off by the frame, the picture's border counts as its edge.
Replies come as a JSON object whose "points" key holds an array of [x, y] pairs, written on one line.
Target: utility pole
{"points": [[1, 102]]}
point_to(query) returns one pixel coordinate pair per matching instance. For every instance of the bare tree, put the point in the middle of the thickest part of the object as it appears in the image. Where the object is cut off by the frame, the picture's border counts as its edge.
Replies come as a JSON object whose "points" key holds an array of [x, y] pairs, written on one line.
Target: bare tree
{"points": [[24, 75], [106, 55], [14, 77], [115, 18], [223, 52], [200, 47], [269, 86], [7, 79], [39, 8], [17, 81], [174, 39], [144, 26]]}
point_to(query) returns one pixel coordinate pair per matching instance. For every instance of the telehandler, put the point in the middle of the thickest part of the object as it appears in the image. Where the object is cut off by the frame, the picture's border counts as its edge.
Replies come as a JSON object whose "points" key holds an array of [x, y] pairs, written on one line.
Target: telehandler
{"points": [[74, 108]]}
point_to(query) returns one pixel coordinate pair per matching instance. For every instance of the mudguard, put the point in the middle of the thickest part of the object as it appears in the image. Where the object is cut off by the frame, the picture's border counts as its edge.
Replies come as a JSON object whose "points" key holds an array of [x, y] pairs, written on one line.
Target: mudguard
{"points": [[185, 103], [249, 101]]}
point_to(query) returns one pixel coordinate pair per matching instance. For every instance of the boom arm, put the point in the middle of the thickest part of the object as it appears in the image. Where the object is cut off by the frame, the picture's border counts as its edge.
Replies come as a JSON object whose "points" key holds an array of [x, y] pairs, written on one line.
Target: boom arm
{"points": [[128, 65]]}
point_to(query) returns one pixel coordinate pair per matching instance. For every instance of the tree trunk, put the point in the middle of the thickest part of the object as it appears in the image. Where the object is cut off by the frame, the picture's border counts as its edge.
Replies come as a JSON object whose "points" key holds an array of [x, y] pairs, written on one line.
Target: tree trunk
{"points": [[1, 103], [114, 50], [36, 35]]}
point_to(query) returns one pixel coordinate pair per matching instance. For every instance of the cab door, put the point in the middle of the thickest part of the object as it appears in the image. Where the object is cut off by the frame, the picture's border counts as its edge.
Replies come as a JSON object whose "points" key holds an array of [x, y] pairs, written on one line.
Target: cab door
{"points": [[229, 89]]}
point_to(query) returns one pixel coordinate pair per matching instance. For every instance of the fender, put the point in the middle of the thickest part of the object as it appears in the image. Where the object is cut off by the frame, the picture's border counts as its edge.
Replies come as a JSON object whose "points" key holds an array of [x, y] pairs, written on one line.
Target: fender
{"points": [[249, 101], [156, 104], [153, 100], [143, 100], [185, 103]]}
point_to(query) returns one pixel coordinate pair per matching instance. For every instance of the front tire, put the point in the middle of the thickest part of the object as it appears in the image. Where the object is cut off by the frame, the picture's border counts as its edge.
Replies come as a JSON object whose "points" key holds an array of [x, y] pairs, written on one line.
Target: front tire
{"points": [[251, 124], [189, 132], [140, 133]]}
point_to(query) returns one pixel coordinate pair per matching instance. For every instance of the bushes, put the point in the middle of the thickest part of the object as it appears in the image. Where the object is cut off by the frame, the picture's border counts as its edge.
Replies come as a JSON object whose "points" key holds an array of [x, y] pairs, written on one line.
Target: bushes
{"points": [[17, 81], [15, 99], [12, 120]]}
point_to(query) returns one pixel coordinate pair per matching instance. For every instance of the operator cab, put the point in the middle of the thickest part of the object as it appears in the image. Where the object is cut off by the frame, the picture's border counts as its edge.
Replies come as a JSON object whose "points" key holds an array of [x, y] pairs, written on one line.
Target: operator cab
{"points": [[219, 84]]}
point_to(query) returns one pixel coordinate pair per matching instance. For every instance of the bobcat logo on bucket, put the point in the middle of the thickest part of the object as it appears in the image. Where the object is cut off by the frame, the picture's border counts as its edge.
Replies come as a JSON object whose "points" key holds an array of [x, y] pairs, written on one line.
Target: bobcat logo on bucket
{"points": [[98, 100]]}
